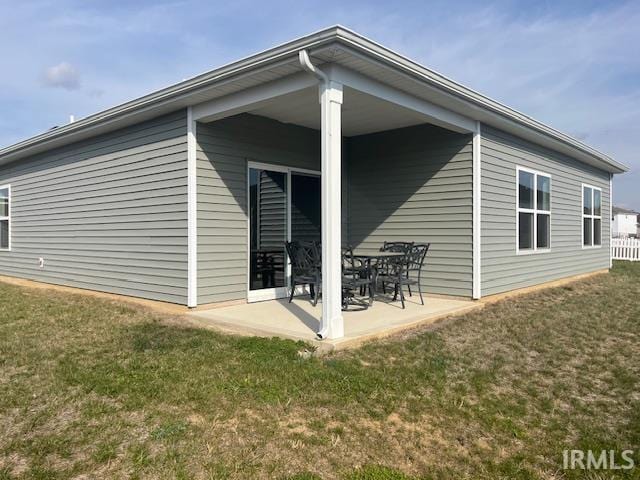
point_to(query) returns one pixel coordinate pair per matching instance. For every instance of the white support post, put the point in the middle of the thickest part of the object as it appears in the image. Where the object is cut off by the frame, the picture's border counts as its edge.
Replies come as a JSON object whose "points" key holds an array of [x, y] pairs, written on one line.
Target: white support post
{"points": [[477, 212], [192, 213], [332, 324]]}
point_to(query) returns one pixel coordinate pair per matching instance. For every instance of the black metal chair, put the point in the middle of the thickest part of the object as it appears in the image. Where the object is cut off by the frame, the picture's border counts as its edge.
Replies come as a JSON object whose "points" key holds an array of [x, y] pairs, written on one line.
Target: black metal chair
{"points": [[355, 277], [415, 261], [400, 270], [355, 266], [305, 268], [403, 247], [383, 266]]}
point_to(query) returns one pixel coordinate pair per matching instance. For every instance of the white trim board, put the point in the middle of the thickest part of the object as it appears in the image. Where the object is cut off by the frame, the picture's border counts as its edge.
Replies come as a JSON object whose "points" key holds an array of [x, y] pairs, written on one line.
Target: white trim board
{"points": [[610, 219], [251, 98], [477, 212], [434, 114], [192, 212]]}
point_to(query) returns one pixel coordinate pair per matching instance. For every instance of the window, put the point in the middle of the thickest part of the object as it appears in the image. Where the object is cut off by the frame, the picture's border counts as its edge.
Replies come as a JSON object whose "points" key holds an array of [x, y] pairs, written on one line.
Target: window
{"points": [[534, 211], [5, 193], [591, 216]]}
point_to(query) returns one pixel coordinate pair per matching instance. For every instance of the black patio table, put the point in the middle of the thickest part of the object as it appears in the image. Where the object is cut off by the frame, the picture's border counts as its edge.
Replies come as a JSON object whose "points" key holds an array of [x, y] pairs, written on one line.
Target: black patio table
{"points": [[367, 257]]}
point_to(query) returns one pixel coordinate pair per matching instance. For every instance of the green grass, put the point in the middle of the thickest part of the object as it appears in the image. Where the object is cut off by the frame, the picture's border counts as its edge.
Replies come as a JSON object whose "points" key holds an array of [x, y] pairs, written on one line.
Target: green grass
{"points": [[103, 389]]}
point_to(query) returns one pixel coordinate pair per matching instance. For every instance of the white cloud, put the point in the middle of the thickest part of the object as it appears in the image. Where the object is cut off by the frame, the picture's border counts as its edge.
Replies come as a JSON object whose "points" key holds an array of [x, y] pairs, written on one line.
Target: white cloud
{"points": [[64, 75]]}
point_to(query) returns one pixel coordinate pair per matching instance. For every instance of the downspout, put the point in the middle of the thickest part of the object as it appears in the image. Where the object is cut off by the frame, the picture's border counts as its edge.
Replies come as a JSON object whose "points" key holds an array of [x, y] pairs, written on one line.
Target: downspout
{"points": [[323, 80], [305, 63]]}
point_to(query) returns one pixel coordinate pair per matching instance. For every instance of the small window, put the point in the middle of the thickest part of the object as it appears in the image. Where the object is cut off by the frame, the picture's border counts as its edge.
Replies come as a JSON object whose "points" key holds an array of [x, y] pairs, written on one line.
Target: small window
{"points": [[5, 209], [591, 216], [534, 211]]}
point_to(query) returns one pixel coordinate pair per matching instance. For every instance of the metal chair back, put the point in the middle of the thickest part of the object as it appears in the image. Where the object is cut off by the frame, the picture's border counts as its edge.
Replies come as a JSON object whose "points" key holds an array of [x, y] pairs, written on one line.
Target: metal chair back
{"points": [[402, 247], [416, 257], [303, 257]]}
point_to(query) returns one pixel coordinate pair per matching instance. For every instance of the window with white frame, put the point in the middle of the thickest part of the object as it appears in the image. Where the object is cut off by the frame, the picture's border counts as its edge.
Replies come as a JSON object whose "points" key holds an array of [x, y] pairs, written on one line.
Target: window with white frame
{"points": [[534, 211], [591, 216], [5, 193]]}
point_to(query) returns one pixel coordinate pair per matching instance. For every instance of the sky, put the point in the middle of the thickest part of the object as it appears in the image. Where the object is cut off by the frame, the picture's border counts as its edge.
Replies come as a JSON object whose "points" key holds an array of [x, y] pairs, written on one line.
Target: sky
{"points": [[574, 65]]}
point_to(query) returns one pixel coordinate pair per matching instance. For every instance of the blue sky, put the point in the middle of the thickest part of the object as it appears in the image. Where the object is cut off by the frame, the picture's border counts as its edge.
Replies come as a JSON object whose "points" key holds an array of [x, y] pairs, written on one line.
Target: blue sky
{"points": [[572, 64]]}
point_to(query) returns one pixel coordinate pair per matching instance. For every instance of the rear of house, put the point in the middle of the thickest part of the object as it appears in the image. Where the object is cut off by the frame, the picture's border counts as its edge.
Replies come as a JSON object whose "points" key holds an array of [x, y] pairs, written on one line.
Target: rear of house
{"points": [[181, 195]]}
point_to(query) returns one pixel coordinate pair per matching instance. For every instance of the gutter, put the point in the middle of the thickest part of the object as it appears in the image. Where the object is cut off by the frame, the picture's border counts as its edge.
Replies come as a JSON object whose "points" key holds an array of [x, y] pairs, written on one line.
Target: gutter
{"points": [[284, 54], [175, 92], [457, 90]]}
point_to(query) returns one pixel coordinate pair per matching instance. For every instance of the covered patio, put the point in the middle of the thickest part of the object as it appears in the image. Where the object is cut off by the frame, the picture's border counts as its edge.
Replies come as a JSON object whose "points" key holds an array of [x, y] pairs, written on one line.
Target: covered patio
{"points": [[299, 320], [388, 166]]}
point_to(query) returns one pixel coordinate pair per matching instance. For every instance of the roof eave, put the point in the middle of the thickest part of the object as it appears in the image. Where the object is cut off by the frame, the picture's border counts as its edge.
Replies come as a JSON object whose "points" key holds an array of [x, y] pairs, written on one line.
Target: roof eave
{"points": [[173, 92], [282, 52], [476, 99]]}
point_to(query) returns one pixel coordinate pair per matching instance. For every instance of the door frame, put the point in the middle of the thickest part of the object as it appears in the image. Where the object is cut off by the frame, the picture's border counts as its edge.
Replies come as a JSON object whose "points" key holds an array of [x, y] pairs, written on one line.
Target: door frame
{"points": [[276, 292]]}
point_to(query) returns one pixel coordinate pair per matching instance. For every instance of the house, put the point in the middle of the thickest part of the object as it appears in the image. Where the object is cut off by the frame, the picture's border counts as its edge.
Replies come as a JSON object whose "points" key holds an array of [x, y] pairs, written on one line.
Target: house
{"points": [[187, 194], [624, 223]]}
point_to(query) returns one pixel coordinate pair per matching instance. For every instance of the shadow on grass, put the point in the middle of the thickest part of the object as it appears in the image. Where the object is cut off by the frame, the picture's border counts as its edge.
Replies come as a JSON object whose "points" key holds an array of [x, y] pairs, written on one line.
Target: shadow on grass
{"points": [[154, 362]]}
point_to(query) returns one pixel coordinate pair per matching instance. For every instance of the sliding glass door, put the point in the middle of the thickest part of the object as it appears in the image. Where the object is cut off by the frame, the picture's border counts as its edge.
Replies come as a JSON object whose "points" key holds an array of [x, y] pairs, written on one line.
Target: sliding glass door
{"points": [[305, 207], [284, 204]]}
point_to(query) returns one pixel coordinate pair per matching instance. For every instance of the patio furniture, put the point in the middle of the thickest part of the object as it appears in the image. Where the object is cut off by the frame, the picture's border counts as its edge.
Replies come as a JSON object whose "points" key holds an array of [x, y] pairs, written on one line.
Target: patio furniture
{"points": [[415, 261], [406, 270], [403, 247], [305, 268], [373, 260], [400, 247], [356, 266], [355, 276], [267, 264]]}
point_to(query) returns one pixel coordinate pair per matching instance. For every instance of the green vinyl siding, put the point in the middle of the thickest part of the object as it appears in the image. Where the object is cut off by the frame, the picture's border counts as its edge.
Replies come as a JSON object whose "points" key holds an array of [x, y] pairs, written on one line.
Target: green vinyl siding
{"points": [[415, 184], [224, 148], [502, 268], [107, 213]]}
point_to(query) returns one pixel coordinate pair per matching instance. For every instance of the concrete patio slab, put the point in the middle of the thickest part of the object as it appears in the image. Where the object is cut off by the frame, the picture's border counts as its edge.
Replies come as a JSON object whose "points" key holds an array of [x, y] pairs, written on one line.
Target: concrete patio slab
{"points": [[299, 320]]}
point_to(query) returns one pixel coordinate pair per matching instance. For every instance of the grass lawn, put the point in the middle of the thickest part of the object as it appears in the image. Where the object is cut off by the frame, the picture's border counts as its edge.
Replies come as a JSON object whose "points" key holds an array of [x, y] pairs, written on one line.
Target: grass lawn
{"points": [[92, 388]]}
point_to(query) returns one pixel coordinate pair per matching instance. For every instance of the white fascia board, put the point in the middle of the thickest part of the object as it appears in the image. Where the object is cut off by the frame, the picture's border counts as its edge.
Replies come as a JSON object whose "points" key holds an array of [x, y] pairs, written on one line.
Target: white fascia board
{"points": [[251, 98], [434, 113]]}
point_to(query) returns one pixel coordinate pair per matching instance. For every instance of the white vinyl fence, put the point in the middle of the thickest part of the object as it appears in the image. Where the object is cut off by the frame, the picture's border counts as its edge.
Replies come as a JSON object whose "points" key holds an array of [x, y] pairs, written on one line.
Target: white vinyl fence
{"points": [[625, 249]]}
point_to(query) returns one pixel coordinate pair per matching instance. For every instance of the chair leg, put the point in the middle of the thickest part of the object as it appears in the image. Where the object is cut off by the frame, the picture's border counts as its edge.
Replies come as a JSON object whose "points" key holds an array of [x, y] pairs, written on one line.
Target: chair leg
{"points": [[401, 295], [395, 292], [420, 292], [370, 295], [409, 287], [384, 288], [293, 289], [312, 291], [317, 295]]}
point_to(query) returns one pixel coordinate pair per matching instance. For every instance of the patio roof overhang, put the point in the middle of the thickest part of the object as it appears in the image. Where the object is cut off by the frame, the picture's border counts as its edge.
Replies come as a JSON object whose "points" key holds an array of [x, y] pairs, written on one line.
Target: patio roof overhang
{"points": [[345, 50], [369, 106]]}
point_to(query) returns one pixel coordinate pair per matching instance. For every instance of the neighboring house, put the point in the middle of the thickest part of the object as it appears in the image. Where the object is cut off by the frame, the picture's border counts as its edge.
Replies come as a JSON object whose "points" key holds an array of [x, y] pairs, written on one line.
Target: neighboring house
{"points": [[624, 223], [186, 195]]}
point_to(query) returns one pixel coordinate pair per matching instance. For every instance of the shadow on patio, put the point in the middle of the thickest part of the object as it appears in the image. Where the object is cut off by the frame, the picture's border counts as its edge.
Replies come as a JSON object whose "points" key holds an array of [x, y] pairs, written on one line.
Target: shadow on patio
{"points": [[299, 320]]}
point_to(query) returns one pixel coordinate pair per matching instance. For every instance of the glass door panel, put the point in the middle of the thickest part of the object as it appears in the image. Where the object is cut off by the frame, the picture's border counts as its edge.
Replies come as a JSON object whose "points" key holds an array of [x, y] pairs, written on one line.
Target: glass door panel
{"points": [[267, 233], [305, 207]]}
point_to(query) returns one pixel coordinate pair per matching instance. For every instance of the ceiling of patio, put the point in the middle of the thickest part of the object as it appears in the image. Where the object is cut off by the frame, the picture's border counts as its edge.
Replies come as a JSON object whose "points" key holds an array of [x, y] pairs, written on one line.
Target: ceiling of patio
{"points": [[361, 113]]}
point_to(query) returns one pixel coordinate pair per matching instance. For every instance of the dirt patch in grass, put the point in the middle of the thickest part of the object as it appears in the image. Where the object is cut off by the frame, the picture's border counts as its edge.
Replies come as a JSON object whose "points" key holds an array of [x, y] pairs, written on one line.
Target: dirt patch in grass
{"points": [[90, 388]]}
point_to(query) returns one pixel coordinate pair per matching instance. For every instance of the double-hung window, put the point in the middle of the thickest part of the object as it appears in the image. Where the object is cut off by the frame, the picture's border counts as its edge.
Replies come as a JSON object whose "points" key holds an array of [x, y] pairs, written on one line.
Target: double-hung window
{"points": [[591, 216], [5, 220], [533, 211]]}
